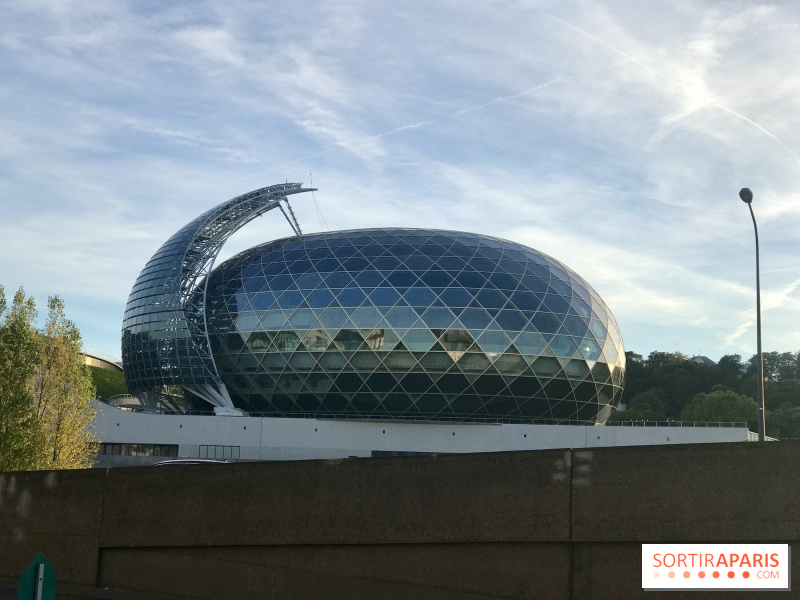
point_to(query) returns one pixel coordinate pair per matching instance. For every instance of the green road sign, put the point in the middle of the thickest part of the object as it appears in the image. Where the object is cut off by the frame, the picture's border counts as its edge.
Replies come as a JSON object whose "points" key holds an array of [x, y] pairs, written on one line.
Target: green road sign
{"points": [[38, 582]]}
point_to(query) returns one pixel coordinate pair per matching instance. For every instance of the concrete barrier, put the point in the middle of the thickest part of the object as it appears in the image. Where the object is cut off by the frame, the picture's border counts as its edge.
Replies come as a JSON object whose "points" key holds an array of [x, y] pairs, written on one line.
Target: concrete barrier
{"points": [[55, 512], [553, 524]]}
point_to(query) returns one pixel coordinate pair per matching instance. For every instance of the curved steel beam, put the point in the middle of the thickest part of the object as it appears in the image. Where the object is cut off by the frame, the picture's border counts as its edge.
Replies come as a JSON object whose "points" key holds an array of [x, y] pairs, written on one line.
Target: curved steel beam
{"points": [[164, 333]]}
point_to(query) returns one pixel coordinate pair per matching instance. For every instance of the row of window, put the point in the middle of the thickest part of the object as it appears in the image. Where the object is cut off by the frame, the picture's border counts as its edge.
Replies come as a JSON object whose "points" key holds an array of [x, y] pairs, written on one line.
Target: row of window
{"points": [[166, 450], [219, 452]]}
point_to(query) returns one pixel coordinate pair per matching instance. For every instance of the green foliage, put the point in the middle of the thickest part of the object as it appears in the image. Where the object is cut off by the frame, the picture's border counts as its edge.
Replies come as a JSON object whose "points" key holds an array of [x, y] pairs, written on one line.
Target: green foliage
{"points": [[659, 359], [782, 393], [732, 362], [646, 406], [45, 390], [784, 422], [778, 366], [19, 440], [63, 392], [681, 381], [108, 383], [721, 405]]}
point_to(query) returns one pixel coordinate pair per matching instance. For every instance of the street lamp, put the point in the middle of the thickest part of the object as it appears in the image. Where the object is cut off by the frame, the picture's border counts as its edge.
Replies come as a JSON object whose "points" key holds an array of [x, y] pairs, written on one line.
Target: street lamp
{"points": [[747, 197]]}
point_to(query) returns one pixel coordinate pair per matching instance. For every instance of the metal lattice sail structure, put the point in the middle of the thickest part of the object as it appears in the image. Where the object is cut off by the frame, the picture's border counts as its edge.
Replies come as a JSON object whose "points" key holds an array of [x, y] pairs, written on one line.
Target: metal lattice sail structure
{"points": [[164, 331]]}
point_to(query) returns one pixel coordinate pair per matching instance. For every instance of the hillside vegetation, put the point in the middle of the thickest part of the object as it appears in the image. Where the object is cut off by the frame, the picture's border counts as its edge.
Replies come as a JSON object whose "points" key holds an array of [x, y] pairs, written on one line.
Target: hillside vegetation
{"points": [[668, 386], [108, 383]]}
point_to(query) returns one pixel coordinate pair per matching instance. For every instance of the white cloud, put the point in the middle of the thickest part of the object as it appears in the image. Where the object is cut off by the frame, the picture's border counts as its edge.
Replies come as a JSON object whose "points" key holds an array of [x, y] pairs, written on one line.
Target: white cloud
{"points": [[614, 136]]}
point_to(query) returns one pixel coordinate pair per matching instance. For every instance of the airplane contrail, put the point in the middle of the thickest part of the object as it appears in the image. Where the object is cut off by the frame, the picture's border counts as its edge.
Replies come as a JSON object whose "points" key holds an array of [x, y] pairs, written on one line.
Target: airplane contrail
{"points": [[361, 141], [402, 128], [635, 60], [429, 121], [504, 98]]}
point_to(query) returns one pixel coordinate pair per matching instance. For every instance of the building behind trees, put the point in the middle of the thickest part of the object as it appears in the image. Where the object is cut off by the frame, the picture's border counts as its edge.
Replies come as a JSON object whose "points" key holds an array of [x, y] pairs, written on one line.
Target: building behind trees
{"points": [[45, 390]]}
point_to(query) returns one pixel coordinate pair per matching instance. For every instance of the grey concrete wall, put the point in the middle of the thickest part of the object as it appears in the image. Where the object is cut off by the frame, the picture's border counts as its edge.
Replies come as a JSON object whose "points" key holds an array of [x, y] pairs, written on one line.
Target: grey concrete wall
{"points": [[57, 512], [553, 524]]}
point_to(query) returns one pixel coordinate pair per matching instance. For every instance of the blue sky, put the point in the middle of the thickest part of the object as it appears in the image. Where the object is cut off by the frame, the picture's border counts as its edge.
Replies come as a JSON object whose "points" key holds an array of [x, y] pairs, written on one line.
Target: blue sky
{"points": [[613, 136]]}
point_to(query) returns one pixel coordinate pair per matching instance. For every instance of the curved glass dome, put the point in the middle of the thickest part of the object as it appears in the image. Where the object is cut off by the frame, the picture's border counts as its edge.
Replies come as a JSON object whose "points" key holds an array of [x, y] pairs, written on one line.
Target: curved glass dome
{"points": [[412, 323]]}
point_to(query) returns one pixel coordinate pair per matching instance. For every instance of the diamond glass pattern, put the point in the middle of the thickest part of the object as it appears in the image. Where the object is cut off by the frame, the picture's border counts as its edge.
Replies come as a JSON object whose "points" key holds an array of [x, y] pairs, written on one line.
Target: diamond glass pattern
{"points": [[412, 323]]}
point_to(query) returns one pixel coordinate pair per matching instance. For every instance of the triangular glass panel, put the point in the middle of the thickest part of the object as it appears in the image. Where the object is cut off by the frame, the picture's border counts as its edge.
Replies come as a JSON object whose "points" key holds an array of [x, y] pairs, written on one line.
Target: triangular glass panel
{"points": [[610, 353], [365, 361], [545, 366], [474, 362], [348, 339], [434, 375], [455, 355], [437, 347], [509, 379], [589, 348], [456, 340], [510, 363], [576, 369], [418, 340], [493, 342], [399, 361]]}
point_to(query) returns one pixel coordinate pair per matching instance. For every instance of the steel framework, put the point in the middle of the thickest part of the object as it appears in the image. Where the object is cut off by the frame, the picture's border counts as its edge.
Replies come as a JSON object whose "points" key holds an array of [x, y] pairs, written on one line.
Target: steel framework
{"points": [[165, 334]]}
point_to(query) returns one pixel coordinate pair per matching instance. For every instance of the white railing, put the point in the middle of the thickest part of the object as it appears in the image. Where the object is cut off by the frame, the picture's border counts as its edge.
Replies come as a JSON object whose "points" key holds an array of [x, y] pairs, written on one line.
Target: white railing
{"points": [[677, 424], [101, 355]]}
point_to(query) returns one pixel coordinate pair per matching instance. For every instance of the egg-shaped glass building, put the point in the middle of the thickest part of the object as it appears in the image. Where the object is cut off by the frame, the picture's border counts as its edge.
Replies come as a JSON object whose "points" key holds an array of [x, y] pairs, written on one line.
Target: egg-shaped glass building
{"points": [[375, 324], [412, 323]]}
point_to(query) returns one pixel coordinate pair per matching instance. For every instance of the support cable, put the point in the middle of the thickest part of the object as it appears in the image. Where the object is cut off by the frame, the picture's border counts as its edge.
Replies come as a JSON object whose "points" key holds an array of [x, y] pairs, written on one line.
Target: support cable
{"points": [[320, 216]]}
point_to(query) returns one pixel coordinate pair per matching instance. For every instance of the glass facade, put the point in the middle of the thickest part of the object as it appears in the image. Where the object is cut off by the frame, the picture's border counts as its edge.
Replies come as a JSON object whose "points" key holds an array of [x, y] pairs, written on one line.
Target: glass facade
{"points": [[164, 329], [408, 323]]}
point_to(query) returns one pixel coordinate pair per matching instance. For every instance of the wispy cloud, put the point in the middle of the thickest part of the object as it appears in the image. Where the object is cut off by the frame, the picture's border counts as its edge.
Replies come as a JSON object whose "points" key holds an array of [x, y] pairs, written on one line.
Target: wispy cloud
{"points": [[698, 93], [613, 136]]}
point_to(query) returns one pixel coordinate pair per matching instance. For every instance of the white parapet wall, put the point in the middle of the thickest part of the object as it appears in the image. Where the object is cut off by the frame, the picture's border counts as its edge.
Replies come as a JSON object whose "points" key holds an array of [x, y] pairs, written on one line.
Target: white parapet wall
{"points": [[269, 438]]}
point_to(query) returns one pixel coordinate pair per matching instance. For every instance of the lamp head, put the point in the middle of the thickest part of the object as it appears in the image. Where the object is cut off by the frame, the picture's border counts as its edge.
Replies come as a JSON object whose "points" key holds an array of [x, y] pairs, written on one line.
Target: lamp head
{"points": [[746, 195]]}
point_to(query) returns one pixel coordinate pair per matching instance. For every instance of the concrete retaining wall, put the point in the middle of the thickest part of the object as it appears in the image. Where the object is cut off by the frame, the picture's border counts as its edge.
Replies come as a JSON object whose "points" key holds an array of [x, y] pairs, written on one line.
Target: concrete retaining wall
{"points": [[273, 438], [548, 524]]}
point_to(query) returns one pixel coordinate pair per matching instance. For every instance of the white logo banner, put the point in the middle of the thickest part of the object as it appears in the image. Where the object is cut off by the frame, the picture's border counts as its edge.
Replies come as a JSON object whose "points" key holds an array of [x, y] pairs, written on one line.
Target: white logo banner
{"points": [[716, 567]]}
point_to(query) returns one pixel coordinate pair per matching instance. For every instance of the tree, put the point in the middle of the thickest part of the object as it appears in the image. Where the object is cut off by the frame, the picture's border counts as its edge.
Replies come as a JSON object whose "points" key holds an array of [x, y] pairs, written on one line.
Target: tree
{"points": [[681, 381], [777, 366], [638, 378], [721, 405], [658, 359], [20, 446], [633, 357], [45, 390], [647, 406], [782, 393], [732, 362], [63, 392], [784, 422]]}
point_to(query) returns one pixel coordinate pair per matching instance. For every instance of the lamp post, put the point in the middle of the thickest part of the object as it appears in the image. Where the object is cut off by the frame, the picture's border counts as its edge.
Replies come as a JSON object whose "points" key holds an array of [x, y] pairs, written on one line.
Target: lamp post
{"points": [[747, 197]]}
